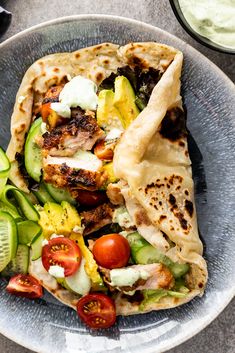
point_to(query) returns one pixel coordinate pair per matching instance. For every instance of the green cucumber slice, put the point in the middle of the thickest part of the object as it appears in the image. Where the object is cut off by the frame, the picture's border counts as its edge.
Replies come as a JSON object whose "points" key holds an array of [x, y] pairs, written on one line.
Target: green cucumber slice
{"points": [[31, 198], [8, 239], [19, 264], [4, 169], [179, 270], [43, 195], [136, 242], [13, 211], [149, 255], [176, 294], [59, 195], [32, 152], [28, 231], [36, 248], [5, 164], [79, 282], [25, 205], [7, 200]]}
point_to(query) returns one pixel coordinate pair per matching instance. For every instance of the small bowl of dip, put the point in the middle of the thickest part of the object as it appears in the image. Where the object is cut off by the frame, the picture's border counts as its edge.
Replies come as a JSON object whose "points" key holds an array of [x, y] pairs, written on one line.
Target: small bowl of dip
{"points": [[210, 22]]}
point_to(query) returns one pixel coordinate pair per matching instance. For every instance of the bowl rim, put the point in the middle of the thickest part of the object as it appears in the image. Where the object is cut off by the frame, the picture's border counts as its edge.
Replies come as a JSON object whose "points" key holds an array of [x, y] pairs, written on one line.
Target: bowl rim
{"points": [[179, 339], [198, 37]]}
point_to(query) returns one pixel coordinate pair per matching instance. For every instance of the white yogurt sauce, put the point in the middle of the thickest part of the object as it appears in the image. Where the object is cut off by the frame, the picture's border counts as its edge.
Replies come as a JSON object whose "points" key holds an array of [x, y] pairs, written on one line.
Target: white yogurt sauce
{"points": [[213, 19], [81, 92], [126, 276]]}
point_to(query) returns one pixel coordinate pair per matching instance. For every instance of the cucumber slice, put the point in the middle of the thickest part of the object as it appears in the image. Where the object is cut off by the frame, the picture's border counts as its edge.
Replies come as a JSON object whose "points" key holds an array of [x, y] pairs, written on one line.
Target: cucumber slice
{"points": [[19, 264], [4, 164], [79, 282], [59, 195], [149, 255], [136, 242], [13, 211], [4, 169], [176, 294], [6, 199], [32, 152], [25, 205], [36, 248], [179, 270], [43, 195], [31, 198], [8, 239], [28, 231]]}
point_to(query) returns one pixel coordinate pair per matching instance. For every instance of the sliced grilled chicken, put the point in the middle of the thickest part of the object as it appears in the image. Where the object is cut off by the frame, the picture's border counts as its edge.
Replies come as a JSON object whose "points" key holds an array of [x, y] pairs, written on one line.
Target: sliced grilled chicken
{"points": [[97, 218], [80, 132], [72, 173], [114, 194]]}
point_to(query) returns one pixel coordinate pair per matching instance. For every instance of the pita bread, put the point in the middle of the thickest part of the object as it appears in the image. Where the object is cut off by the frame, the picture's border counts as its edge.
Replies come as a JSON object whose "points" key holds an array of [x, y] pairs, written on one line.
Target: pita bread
{"points": [[156, 172]]}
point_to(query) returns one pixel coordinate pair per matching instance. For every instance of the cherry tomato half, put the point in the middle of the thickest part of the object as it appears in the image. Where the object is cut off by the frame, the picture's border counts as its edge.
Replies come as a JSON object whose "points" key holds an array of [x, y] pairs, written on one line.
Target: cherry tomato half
{"points": [[111, 251], [97, 310], [62, 252], [45, 111], [90, 198], [25, 286], [104, 151]]}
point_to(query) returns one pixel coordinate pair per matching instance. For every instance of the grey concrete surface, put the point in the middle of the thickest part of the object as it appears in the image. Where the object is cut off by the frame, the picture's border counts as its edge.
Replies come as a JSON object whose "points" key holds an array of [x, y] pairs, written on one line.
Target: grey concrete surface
{"points": [[219, 336]]}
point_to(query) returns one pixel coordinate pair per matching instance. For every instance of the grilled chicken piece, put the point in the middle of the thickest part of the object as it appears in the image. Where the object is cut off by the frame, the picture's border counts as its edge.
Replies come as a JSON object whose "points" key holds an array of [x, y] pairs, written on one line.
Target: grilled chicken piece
{"points": [[159, 277], [52, 95], [62, 176], [97, 218], [114, 194], [81, 132]]}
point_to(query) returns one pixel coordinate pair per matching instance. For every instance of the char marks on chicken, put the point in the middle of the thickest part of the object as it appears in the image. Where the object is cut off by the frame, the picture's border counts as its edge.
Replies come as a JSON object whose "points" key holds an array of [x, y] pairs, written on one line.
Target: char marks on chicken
{"points": [[97, 218], [81, 132], [62, 176]]}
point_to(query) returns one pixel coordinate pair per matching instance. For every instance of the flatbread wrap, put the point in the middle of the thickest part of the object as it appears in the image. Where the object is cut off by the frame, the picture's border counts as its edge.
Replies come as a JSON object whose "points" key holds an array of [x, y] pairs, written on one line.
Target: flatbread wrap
{"points": [[113, 131]]}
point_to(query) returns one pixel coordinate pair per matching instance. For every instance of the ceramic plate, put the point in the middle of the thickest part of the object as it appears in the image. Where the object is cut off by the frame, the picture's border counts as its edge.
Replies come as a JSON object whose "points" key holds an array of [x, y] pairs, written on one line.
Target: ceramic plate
{"points": [[49, 327]]}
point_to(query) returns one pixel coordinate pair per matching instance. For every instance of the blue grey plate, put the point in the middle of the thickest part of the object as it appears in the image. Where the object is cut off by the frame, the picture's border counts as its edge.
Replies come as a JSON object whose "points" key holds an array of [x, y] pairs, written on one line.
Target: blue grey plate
{"points": [[49, 327]]}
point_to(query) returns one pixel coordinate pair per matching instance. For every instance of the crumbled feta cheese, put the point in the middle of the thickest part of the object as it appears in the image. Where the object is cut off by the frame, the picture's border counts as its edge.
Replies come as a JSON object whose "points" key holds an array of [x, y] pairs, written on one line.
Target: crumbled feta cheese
{"points": [[122, 217], [43, 128], [62, 109], [125, 233], [56, 271], [44, 242], [78, 229], [131, 292], [54, 235]]}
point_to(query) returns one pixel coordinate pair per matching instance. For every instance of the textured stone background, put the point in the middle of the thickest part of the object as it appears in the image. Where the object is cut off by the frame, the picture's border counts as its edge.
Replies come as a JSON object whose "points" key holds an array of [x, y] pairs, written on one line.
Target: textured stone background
{"points": [[218, 337]]}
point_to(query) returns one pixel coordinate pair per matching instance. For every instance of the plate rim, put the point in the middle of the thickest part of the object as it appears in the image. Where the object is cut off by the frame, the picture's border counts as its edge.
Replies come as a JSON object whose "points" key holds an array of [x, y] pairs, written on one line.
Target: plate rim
{"points": [[175, 341]]}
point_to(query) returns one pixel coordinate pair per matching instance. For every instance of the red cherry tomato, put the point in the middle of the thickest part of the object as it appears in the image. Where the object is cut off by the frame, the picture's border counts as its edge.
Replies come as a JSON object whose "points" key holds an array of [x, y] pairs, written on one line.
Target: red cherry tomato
{"points": [[62, 252], [25, 286], [97, 310], [111, 251], [104, 151], [45, 111], [90, 198]]}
